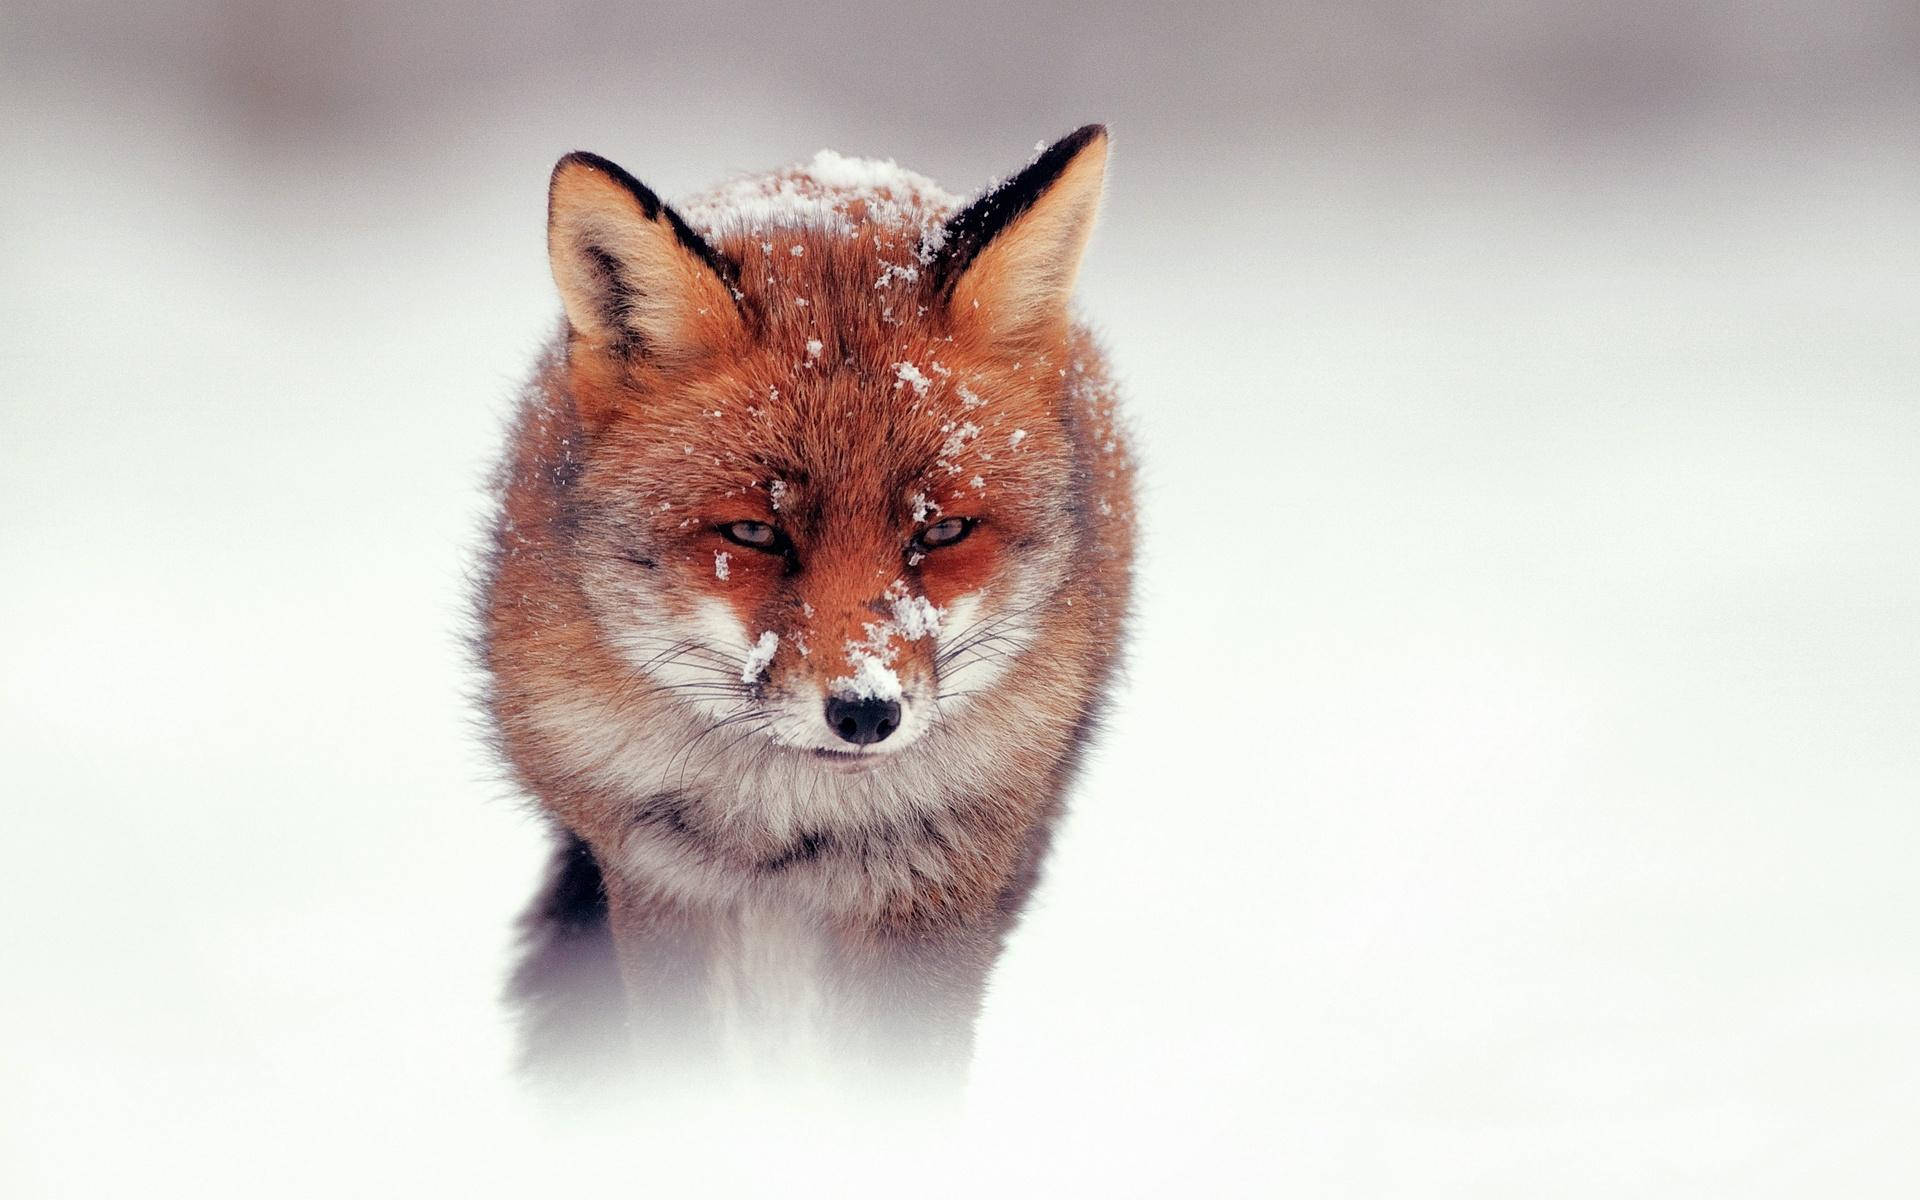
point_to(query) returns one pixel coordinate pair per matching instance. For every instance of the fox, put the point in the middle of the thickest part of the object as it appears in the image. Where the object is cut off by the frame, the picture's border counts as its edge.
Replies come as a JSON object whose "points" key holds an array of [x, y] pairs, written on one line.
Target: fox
{"points": [[806, 592]]}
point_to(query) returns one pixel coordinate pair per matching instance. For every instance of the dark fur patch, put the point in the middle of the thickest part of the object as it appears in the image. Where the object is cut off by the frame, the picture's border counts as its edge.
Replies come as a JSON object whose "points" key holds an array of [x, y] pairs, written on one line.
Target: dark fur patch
{"points": [[669, 811], [806, 848], [576, 895], [566, 987], [618, 293], [971, 229]]}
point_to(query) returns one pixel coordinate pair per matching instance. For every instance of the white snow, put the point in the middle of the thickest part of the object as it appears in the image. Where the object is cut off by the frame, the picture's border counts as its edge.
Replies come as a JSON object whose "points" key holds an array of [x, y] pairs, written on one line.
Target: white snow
{"points": [[1015, 438], [777, 494], [828, 192], [914, 617], [959, 437], [912, 375], [765, 202], [892, 271], [814, 347], [872, 679], [759, 656], [864, 175], [720, 560]]}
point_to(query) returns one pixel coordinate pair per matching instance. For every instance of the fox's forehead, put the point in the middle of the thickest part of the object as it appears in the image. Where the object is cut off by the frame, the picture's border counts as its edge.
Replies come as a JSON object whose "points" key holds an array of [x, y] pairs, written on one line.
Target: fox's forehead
{"points": [[830, 255], [823, 296], [831, 261], [904, 423]]}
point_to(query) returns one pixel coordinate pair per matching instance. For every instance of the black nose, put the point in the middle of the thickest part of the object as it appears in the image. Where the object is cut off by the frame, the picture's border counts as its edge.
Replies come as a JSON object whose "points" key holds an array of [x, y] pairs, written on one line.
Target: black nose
{"points": [[863, 722]]}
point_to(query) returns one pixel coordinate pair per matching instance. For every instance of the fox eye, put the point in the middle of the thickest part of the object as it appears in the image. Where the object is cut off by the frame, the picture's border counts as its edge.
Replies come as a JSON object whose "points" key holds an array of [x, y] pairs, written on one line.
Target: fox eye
{"points": [[946, 533], [755, 535]]}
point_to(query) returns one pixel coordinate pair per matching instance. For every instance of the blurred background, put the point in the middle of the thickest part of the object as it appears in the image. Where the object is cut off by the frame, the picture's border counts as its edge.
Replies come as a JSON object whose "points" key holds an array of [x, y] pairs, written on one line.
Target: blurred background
{"points": [[1515, 793]]}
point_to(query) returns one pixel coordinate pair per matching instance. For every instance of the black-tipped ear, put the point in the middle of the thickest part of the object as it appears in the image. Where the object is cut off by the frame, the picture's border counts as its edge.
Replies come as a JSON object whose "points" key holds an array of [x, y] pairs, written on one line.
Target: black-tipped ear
{"points": [[1007, 264], [632, 275]]}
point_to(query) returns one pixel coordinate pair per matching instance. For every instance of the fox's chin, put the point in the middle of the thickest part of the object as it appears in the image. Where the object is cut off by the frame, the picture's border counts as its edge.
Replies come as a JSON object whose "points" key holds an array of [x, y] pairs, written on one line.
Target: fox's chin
{"points": [[848, 760]]}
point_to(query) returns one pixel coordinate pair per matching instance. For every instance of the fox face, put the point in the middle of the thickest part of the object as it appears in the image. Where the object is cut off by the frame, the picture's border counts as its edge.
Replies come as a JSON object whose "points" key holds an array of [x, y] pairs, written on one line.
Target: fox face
{"points": [[844, 600], [826, 486]]}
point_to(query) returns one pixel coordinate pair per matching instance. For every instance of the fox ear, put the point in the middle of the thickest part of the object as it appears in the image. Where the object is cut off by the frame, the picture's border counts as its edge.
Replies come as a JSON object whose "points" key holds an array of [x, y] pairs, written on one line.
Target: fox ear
{"points": [[1007, 265], [633, 277]]}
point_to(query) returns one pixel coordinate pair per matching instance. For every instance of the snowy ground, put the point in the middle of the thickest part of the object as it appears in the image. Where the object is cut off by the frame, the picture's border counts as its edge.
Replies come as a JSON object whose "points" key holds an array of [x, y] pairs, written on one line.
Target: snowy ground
{"points": [[1515, 794]]}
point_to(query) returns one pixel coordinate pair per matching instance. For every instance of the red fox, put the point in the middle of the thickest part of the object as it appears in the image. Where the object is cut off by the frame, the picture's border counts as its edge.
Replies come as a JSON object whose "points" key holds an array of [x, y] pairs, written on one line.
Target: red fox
{"points": [[806, 591]]}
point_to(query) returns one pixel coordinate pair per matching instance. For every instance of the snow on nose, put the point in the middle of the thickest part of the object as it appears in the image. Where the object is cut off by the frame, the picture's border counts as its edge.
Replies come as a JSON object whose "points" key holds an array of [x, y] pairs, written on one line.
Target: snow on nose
{"points": [[871, 658]]}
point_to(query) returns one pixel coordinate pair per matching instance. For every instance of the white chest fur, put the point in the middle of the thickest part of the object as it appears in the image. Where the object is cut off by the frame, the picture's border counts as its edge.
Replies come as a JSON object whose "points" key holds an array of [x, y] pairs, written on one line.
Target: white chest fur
{"points": [[768, 979]]}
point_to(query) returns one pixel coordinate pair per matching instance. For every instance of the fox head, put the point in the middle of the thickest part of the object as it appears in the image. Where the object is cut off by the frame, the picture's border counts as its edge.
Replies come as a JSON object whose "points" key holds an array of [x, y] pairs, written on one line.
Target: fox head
{"points": [[826, 476]]}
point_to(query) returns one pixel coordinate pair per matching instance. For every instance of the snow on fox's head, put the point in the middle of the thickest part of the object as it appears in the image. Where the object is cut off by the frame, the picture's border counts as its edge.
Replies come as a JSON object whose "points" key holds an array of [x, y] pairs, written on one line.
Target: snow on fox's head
{"points": [[826, 482]]}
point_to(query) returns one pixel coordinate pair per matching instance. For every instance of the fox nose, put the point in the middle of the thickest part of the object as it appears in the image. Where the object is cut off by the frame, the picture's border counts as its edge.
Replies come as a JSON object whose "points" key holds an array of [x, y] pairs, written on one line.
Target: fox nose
{"points": [[863, 721]]}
